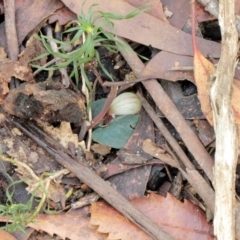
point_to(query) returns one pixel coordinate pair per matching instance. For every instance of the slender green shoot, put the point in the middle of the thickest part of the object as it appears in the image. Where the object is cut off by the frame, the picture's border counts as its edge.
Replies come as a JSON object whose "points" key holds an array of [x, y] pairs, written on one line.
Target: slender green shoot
{"points": [[92, 25]]}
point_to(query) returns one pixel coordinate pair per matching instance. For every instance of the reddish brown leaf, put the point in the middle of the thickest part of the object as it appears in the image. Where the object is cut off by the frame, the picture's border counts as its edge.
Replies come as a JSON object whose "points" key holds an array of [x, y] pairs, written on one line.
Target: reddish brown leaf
{"points": [[181, 12], [160, 67], [63, 16], [6, 236], [181, 220], [203, 69], [162, 64]]}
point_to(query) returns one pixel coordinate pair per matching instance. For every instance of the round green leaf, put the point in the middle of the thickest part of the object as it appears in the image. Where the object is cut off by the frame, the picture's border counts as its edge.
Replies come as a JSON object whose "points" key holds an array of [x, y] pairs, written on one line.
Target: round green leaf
{"points": [[117, 132]]}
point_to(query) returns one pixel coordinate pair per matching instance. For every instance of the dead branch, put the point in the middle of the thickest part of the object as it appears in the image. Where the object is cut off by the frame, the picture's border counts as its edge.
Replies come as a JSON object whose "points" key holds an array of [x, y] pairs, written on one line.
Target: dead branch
{"points": [[224, 124]]}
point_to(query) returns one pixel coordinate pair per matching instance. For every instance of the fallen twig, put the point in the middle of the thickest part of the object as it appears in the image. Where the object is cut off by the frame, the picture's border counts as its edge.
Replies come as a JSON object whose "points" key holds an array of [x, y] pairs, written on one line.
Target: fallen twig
{"points": [[105, 108], [11, 31], [11, 35]]}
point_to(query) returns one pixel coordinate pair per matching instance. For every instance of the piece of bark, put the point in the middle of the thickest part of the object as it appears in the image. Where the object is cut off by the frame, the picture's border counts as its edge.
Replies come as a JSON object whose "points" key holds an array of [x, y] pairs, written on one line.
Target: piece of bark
{"points": [[34, 101]]}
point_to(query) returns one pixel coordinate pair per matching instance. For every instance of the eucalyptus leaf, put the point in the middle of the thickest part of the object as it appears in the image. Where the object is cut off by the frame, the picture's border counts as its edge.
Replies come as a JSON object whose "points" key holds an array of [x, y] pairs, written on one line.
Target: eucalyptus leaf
{"points": [[97, 106], [117, 132]]}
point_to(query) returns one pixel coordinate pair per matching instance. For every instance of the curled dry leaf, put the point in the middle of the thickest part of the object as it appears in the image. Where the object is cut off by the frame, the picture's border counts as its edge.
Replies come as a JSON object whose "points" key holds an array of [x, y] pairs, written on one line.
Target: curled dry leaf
{"points": [[63, 134], [203, 69], [8, 69]]}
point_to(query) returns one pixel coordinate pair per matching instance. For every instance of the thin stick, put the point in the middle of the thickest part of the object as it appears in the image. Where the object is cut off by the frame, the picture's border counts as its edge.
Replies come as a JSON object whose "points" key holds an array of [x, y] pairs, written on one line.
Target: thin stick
{"points": [[105, 108], [11, 34], [127, 82], [63, 71]]}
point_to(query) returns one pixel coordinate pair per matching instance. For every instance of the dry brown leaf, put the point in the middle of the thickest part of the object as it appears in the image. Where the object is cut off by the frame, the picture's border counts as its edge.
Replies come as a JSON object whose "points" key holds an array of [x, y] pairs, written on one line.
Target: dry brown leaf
{"points": [[100, 149], [34, 48], [63, 134], [203, 69], [69, 226], [181, 220], [8, 69], [181, 12], [160, 66], [6, 236], [55, 191]]}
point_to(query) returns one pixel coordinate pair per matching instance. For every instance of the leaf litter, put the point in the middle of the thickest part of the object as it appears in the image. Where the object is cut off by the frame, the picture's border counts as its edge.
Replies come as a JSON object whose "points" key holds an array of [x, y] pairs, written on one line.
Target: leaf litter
{"points": [[63, 114]]}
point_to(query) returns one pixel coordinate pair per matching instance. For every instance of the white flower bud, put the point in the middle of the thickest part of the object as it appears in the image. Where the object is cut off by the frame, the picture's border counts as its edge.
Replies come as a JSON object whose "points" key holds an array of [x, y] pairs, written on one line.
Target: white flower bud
{"points": [[125, 104]]}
